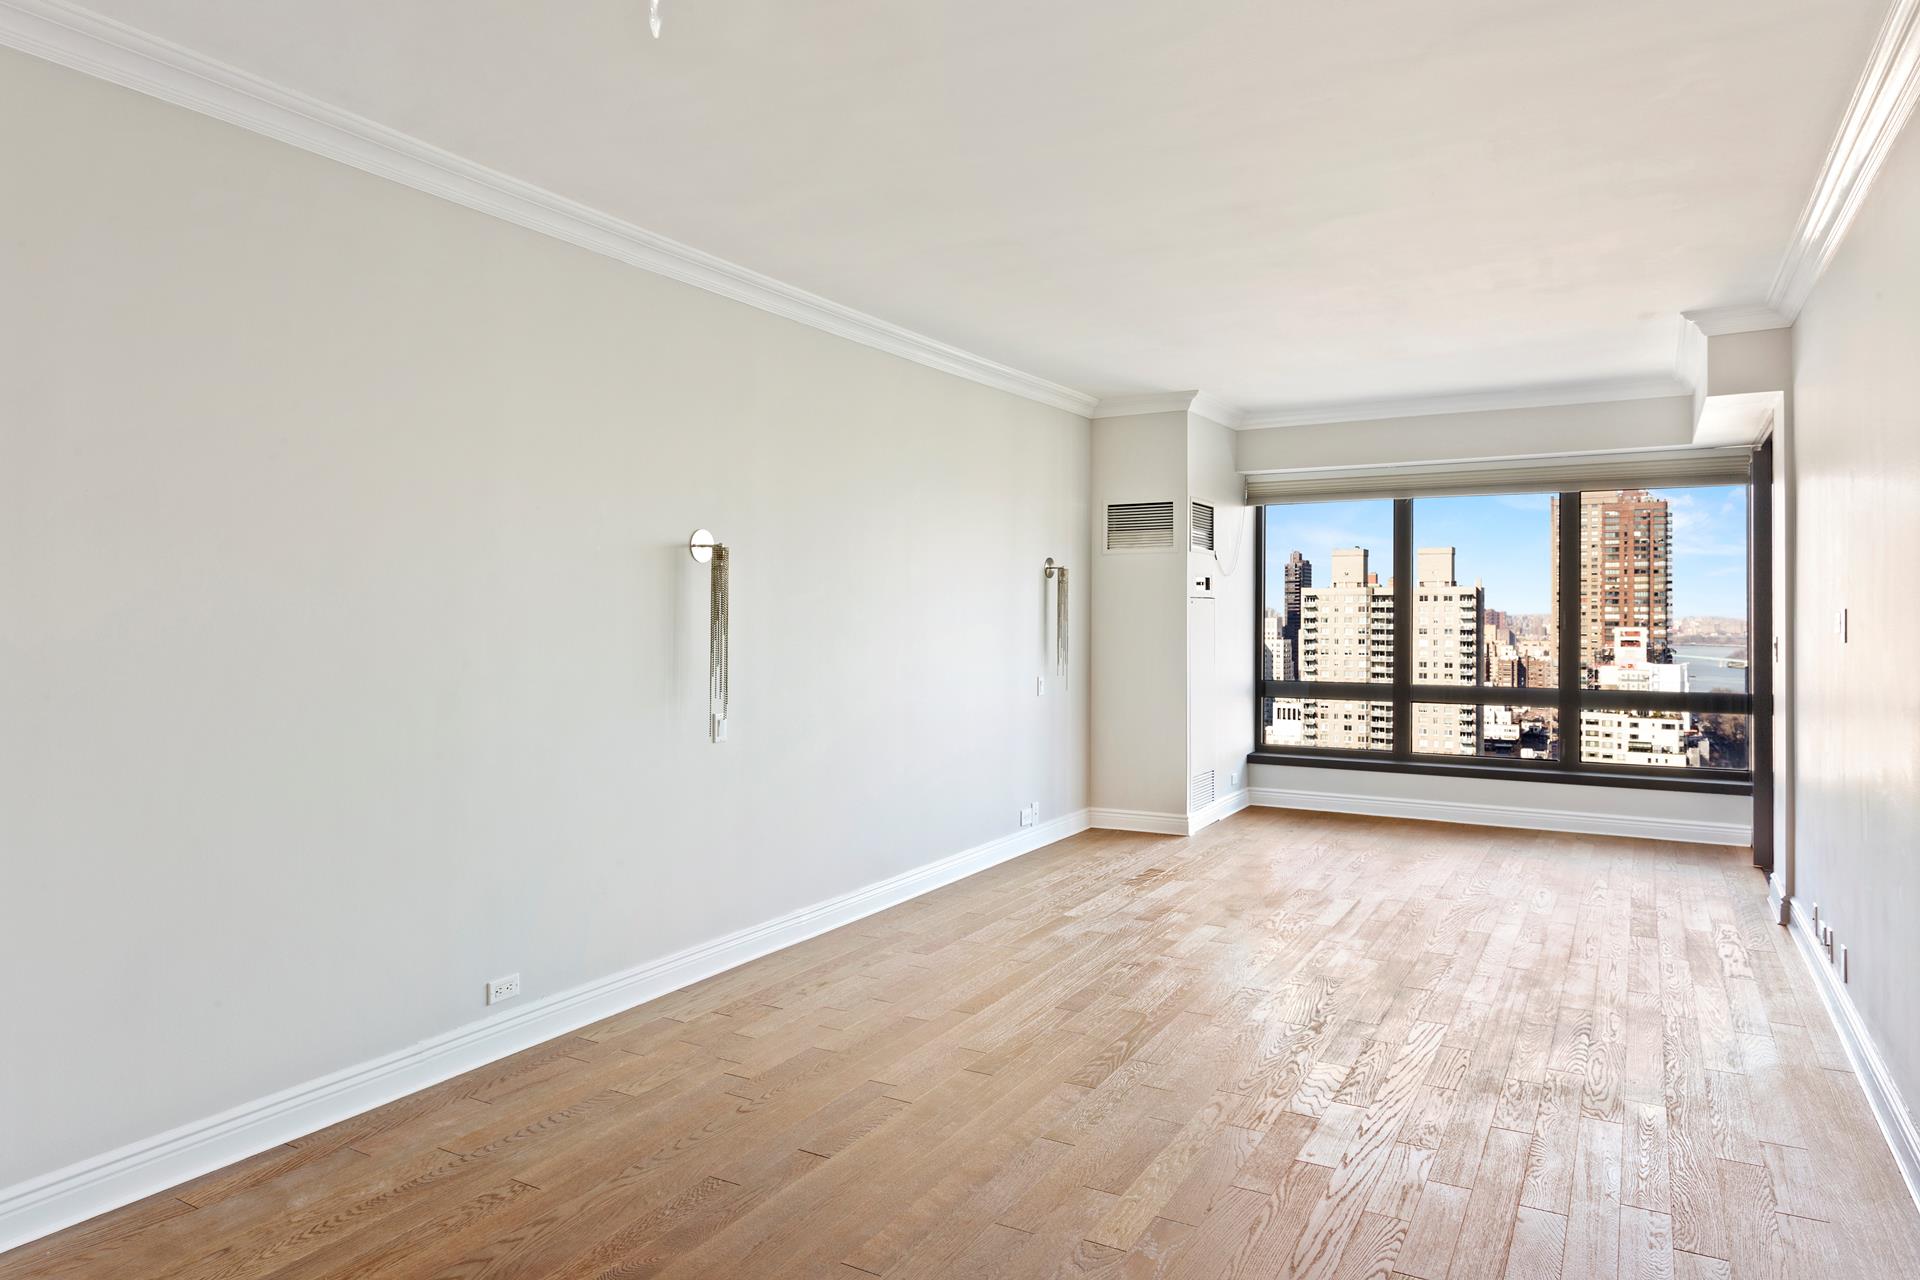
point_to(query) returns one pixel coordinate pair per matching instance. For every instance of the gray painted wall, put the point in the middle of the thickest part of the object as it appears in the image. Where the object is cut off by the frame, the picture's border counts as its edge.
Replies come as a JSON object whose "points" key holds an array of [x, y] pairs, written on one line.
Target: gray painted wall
{"points": [[1220, 684], [350, 653], [1139, 711], [1856, 456]]}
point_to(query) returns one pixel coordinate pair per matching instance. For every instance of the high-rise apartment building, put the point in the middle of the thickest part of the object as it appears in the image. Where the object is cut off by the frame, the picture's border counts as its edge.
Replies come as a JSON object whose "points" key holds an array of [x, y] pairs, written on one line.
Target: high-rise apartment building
{"points": [[1346, 635], [1506, 669], [1625, 571], [1446, 650], [1297, 575], [1660, 738], [1539, 665], [1500, 729], [1286, 723], [1270, 708]]}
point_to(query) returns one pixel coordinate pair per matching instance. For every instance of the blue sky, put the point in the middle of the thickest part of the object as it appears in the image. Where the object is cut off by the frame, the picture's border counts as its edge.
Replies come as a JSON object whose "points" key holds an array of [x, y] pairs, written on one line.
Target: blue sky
{"points": [[1502, 540]]}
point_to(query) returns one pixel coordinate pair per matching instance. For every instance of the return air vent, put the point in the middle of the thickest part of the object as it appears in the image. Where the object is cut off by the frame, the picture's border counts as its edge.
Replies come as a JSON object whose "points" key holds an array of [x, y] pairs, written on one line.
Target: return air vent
{"points": [[1140, 526], [1201, 536], [1200, 791]]}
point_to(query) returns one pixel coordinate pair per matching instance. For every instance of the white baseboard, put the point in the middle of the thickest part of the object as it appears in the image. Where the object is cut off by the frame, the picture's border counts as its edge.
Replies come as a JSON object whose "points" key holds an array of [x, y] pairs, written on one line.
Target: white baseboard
{"points": [[1883, 1095], [1225, 807], [1502, 815], [1167, 824], [42, 1205], [1159, 824]]}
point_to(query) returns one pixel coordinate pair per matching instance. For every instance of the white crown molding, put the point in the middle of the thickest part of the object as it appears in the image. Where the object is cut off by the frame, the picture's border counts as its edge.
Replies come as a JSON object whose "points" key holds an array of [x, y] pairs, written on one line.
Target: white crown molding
{"points": [[1740, 419], [1214, 409], [1882, 101], [1135, 404], [1718, 322], [32, 1209], [1201, 403], [73, 37], [1503, 815], [1690, 359], [1896, 1119], [1743, 418], [1535, 397]]}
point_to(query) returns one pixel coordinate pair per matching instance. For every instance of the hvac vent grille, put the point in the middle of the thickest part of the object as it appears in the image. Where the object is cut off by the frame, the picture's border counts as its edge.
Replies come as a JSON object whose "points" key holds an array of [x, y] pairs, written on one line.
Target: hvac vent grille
{"points": [[1140, 526], [1200, 790], [1201, 536]]}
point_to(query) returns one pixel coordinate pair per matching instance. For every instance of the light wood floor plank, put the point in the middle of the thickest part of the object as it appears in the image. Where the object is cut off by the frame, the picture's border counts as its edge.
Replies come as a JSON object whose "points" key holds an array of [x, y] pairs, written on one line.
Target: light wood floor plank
{"points": [[1297, 1045]]}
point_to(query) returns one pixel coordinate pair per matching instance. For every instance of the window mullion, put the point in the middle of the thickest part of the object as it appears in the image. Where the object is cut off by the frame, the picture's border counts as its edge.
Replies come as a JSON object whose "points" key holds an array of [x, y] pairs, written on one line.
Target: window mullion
{"points": [[1403, 629], [1760, 648], [1260, 674], [1567, 666]]}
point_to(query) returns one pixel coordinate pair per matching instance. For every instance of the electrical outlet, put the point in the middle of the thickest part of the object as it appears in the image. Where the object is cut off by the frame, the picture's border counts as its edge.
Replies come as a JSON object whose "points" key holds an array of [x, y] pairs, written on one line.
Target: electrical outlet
{"points": [[1039, 686], [1030, 815], [1233, 780], [503, 988]]}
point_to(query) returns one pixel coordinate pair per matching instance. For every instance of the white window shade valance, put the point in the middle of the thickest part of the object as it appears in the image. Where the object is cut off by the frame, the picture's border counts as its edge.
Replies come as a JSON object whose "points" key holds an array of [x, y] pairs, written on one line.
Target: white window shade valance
{"points": [[1619, 469]]}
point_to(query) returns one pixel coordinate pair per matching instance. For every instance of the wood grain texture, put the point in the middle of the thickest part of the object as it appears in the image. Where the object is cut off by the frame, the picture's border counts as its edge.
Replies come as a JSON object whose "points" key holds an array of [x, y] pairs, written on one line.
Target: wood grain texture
{"points": [[1294, 1045]]}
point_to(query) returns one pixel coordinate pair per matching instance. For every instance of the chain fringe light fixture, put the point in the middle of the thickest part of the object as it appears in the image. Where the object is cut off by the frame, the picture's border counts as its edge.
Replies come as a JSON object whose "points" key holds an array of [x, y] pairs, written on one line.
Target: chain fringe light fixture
{"points": [[1060, 617], [653, 19], [707, 551]]}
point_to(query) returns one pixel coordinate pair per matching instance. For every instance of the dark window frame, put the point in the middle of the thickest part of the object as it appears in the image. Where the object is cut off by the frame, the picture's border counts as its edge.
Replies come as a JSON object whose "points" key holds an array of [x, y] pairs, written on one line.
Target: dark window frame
{"points": [[1568, 698]]}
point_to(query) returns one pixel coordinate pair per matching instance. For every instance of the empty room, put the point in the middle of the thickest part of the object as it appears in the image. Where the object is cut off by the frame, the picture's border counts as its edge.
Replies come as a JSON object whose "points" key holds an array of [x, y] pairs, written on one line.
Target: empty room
{"points": [[909, 639]]}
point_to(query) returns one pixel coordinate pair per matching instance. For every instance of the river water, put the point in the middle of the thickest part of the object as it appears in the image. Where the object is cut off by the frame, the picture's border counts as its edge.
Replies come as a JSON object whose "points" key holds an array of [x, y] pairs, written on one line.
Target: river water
{"points": [[1705, 675]]}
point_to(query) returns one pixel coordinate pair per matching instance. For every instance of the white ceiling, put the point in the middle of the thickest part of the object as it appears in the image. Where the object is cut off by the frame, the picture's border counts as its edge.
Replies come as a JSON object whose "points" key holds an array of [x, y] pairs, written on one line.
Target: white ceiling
{"points": [[1281, 201]]}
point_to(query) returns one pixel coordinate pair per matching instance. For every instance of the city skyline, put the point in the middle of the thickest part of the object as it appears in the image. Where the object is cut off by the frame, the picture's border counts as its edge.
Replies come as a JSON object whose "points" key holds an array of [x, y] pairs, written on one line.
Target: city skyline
{"points": [[1502, 540], [1484, 623]]}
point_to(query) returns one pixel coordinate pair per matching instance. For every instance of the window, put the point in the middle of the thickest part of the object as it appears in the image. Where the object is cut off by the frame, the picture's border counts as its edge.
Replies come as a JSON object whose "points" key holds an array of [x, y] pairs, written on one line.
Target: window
{"points": [[1330, 622], [1663, 609], [1590, 635]]}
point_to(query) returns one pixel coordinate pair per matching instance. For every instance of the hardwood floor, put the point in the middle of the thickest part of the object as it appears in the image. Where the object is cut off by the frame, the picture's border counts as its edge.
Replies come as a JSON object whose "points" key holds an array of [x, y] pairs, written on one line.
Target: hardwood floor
{"points": [[1294, 1045]]}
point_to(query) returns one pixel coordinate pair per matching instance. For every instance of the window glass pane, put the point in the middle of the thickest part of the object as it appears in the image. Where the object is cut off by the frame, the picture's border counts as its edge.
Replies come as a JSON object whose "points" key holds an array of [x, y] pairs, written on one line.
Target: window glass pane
{"points": [[1482, 594], [1282, 722], [1329, 592], [1328, 723], [1664, 739], [1496, 731], [1520, 733], [1725, 738], [1445, 729], [1663, 589]]}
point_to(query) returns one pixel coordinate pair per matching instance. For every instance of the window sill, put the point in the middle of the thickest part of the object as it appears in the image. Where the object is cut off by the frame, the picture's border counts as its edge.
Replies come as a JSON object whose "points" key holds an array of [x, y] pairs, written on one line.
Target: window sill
{"points": [[1704, 782]]}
